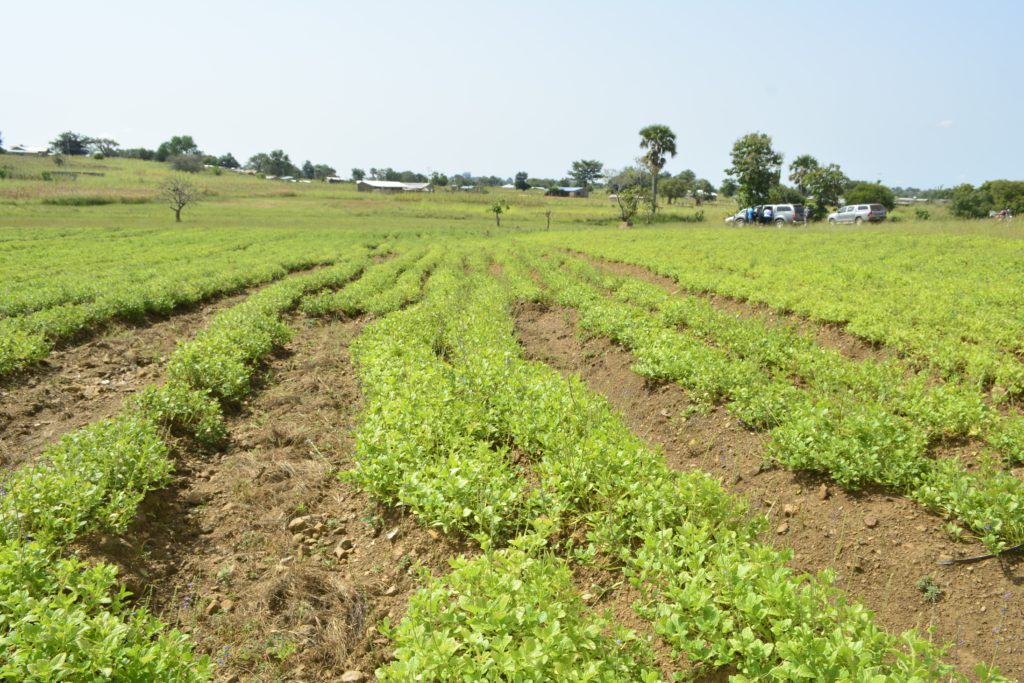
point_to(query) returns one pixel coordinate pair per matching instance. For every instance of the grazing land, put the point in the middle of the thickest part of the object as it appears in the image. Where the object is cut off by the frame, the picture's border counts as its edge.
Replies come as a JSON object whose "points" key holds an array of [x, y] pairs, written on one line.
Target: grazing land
{"points": [[315, 434]]}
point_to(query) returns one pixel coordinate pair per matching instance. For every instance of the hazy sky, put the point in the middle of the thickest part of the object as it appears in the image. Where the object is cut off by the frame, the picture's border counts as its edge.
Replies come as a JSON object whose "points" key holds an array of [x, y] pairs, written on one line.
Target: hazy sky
{"points": [[909, 93]]}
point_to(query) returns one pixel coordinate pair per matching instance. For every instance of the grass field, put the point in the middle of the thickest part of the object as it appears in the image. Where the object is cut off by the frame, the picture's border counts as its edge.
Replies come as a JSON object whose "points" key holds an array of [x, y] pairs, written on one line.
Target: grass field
{"points": [[326, 435]]}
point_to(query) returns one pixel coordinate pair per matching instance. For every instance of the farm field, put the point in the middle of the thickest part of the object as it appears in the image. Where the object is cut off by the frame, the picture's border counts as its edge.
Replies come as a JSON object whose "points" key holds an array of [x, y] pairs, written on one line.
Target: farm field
{"points": [[313, 434]]}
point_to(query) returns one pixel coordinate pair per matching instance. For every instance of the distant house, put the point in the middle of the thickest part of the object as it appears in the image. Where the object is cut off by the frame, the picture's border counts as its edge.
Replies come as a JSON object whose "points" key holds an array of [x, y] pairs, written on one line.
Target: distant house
{"points": [[392, 186], [508, 186], [22, 149], [566, 192], [334, 179]]}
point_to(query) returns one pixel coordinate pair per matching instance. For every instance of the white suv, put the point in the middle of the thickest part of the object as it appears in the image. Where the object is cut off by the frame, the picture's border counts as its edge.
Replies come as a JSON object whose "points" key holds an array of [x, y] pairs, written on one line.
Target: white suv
{"points": [[858, 213]]}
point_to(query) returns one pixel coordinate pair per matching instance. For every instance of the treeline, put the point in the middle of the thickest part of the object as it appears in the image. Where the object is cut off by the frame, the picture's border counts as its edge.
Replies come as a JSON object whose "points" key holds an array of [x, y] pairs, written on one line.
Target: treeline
{"points": [[988, 198]]}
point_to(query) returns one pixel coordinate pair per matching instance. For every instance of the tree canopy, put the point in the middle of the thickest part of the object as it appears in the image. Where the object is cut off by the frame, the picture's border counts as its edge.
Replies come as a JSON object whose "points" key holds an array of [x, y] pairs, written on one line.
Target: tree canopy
{"points": [[72, 144], [585, 171], [872, 193], [799, 169], [825, 184], [756, 168], [521, 181], [176, 146]]}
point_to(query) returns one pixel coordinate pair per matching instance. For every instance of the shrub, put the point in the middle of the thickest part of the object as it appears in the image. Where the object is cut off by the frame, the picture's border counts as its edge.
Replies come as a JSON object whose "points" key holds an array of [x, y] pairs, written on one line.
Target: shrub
{"points": [[922, 214], [187, 163]]}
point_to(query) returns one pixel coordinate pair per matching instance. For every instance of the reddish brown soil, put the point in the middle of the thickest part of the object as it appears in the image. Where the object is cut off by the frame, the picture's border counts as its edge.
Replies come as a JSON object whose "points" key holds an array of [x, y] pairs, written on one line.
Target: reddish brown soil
{"points": [[214, 552], [879, 545], [829, 335], [79, 385]]}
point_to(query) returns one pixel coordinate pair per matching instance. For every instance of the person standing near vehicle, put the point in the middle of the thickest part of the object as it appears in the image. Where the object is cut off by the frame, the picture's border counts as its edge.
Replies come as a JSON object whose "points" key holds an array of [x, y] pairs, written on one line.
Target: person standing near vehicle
{"points": [[750, 215], [766, 215]]}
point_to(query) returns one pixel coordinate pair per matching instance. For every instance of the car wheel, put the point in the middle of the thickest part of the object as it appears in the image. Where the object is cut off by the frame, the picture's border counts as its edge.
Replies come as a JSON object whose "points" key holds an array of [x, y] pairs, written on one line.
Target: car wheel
{"points": [[779, 223], [740, 222], [831, 221], [858, 220]]}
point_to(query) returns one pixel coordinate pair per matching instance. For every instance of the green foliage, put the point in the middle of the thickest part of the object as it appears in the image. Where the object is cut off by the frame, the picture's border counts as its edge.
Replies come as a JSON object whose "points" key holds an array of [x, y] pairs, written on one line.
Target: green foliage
{"points": [[93, 479], [585, 171], [931, 591], [511, 615], [183, 409], [799, 170], [922, 214], [63, 620], [71, 144], [521, 181], [179, 145], [871, 193], [186, 163], [756, 168], [660, 143]]}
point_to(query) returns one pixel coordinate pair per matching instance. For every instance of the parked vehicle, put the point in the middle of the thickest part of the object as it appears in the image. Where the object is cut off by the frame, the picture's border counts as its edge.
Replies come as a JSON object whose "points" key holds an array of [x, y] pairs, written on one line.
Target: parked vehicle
{"points": [[780, 214], [858, 213]]}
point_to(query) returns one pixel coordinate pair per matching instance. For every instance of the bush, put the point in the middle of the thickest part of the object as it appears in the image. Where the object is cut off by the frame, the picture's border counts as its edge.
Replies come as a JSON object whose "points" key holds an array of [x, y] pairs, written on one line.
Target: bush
{"points": [[46, 175], [872, 193], [187, 163], [922, 214], [98, 156]]}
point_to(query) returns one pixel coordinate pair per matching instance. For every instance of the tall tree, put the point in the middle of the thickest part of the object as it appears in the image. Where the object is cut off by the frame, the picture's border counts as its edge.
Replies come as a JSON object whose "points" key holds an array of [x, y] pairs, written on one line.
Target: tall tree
{"points": [[729, 187], [228, 161], [586, 171], [105, 146], [323, 171], [438, 179], [358, 174], [521, 183], [71, 143], [756, 167], [308, 172], [825, 184], [659, 141], [799, 169]]}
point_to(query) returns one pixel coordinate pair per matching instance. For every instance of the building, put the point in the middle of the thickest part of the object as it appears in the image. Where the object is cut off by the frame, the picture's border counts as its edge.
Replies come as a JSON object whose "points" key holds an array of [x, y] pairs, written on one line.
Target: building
{"points": [[392, 186], [566, 192]]}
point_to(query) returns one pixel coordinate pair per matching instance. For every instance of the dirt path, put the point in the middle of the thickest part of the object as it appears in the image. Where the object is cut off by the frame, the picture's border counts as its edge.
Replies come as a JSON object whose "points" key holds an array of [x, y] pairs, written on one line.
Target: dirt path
{"points": [[880, 545], [79, 385], [279, 569]]}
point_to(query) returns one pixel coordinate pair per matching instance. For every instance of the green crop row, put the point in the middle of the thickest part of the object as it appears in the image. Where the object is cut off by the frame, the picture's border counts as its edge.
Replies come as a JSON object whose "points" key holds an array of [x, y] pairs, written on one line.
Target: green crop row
{"points": [[370, 293], [943, 410], [45, 310], [472, 438], [63, 620], [854, 439], [948, 302]]}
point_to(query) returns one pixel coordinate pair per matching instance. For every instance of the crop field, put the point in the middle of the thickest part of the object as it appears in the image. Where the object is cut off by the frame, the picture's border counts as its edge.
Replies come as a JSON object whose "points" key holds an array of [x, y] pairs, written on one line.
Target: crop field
{"points": [[311, 434]]}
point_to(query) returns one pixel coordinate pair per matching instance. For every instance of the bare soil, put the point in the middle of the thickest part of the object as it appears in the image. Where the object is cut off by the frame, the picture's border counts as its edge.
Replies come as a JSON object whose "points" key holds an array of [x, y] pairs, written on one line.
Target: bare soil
{"points": [[879, 544], [78, 385], [280, 570]]}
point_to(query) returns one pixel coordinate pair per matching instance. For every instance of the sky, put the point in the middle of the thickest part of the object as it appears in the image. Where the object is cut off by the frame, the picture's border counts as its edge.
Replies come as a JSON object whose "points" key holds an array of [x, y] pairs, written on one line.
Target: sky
{"points": [[908, 93]]}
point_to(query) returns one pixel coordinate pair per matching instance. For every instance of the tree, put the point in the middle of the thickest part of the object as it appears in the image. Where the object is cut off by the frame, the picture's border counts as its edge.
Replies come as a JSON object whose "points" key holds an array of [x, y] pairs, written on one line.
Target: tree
{"points": [[1, 144], [627, 177], [72, 144], [872, 193], [658, 141], [799, 169], [438, 179], [521, 183], [825, 184], [308, 172], [358, 174], [970, 202], [180, 192], [1005, 194], [228, 161], [629, 200], [177, 145], [756, 168], [105, 146], [276, 163], [585, 171], [323, 171], [498, 208], [728, 188], [702, 189]]}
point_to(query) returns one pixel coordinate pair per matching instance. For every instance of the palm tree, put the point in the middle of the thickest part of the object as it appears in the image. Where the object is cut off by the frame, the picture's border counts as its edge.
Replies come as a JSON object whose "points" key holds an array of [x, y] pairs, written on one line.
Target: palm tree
{"points": [[658, 141]]}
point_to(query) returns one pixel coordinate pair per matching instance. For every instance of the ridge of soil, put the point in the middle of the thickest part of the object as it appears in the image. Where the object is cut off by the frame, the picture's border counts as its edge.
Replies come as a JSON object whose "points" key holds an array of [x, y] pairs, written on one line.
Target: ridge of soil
{"points": [[278, 569], [880, 545], [78, 385], [834, 336]]}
